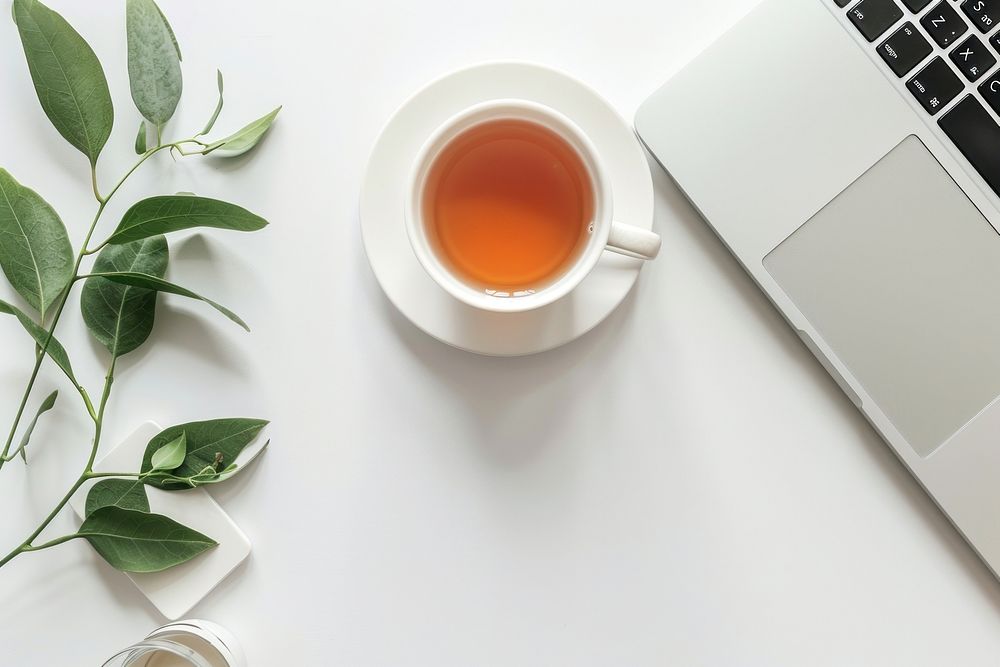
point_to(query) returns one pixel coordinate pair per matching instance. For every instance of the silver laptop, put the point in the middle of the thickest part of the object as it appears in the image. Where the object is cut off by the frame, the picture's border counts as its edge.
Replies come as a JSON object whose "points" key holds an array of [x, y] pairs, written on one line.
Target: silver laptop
{"points": [[847, 152]]}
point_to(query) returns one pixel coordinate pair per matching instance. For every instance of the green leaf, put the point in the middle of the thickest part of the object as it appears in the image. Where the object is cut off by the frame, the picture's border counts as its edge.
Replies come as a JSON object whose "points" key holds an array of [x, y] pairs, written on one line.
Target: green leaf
{"points": [[218, 107], [35, 252], [171, 213], [154, 67], [244, 139], [68, 77], [205, 440], [140, 139], [46, 405], [150, 282], [170, 455], [55, 349], [129, 494], [134, 541], [121, 316]]}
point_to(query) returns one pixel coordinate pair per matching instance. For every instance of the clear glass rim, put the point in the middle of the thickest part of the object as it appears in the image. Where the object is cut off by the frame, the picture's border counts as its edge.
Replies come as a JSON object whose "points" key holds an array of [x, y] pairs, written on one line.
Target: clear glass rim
{"points": [[148, 647]]}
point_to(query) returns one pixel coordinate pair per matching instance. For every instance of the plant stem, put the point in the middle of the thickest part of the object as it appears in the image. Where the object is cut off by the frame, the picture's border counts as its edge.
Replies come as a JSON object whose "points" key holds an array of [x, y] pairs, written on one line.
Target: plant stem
{"points": [[26, 545], [93, 181], [98, 426], [109, 380], [145, 156], [98, 475], [52, 543]]}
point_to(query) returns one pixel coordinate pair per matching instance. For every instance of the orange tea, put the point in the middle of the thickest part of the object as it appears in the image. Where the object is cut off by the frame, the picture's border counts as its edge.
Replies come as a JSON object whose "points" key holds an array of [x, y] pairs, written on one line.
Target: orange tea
{"points": [[508, 206]]}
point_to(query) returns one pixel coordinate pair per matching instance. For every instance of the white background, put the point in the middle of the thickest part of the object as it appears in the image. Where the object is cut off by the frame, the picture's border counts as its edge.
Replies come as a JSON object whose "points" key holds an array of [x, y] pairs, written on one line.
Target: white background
{"points": [[684, 485]]}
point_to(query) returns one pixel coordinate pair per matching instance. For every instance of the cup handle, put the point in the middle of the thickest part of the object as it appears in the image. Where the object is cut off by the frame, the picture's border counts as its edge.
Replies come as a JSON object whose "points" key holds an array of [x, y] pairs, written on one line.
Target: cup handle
{"points": [[633, 241]]}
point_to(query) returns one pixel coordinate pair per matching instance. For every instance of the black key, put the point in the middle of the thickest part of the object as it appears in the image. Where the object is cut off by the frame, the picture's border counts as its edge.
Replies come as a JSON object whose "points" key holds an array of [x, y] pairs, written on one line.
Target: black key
{"points": [[990, 90], [973, 58], [842, 3], [874, 17], [995, 41], [935, 85], [904, 49], [916, 5], [944, 24], [977, 135], [984, 14]]}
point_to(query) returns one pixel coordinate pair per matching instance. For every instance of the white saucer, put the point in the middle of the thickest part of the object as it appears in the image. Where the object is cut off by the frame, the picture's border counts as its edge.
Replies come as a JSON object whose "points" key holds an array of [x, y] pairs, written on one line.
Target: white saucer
{"points": [[406, 283]]}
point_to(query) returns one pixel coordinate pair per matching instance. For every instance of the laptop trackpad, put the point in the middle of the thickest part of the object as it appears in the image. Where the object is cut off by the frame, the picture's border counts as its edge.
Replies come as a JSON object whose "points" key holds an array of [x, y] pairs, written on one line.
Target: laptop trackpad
{"points": [[900, 275]]}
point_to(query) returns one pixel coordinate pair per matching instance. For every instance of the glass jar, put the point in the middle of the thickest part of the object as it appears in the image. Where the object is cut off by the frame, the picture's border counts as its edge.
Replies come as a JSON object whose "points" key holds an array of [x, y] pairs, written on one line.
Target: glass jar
{"points": [[150, 652], [192, 643]]}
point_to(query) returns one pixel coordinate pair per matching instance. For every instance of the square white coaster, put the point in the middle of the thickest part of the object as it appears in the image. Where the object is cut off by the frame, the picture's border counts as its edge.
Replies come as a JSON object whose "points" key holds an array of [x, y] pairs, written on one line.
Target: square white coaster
{"points": [[175, 591]]}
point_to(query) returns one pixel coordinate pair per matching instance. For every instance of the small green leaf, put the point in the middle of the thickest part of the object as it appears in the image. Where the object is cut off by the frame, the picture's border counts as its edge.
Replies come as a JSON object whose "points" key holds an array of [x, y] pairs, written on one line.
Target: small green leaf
{"points": [[134, 541], [121, 316], [55, 349], [170, 455], [129, 494], [154, 68], [149, 282], [140, 139], [218, 107], [46, 405], [68, 77], [245, 139], [210, 476], [205, 440], [35, 252], [171, 213]]}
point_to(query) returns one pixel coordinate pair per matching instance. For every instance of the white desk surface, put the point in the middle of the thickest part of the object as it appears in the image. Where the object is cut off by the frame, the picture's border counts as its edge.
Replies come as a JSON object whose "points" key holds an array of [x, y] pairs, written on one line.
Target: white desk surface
{"points": [[683, 486]]}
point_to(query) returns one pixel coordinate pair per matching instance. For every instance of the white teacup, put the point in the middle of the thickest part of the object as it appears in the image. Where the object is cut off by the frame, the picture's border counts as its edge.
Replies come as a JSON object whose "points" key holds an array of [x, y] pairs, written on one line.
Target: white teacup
{"points": [[604, 234]]}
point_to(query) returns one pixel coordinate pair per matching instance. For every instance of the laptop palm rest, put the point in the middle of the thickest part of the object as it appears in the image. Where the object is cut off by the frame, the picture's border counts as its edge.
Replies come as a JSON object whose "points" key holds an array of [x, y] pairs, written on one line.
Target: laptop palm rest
{"points": [[900, 276]]}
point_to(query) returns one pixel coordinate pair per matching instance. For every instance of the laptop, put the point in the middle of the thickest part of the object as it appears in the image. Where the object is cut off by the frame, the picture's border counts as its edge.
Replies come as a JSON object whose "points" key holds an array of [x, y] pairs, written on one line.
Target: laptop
{"points": [[847, 152]]}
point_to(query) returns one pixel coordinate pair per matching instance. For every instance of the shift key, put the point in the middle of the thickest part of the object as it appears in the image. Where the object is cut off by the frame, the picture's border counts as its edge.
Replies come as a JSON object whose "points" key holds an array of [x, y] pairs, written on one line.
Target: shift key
{"points": [[977, 136]]}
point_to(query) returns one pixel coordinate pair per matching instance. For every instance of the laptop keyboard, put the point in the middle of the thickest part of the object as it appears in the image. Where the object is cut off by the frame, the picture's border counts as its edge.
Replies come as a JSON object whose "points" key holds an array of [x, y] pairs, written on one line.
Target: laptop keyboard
{"points": [[953, 87]]}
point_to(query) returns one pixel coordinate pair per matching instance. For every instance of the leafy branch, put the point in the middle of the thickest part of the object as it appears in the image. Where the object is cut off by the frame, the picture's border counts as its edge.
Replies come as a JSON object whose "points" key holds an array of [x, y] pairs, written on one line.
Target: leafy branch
{"points": [[120, 289]]}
